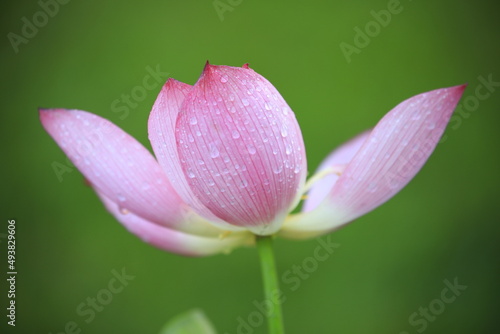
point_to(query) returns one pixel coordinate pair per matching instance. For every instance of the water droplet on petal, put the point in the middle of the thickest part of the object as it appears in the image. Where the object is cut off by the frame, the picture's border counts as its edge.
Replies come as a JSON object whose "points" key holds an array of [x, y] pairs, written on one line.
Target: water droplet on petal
{"points": [[224, 78], [214, 151], [124, 211], [278, 169], [121, 198], [251, 149], [193, 120], [372, 187], [235, 134], [243, 183], [393, 184], [284, 131], [297, 169], [416, 116], [245, 102], [190, 173], [267, 106], [288, 149], [431, 125]]}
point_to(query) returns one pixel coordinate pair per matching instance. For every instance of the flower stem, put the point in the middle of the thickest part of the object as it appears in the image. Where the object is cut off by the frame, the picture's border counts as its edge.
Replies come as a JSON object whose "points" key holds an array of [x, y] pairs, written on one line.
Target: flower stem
{"points": [[272, 292]]}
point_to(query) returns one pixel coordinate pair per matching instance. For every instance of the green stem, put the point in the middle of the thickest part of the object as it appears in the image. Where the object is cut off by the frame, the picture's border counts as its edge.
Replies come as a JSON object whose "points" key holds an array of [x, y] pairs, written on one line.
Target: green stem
{"points": [[271, 286]]}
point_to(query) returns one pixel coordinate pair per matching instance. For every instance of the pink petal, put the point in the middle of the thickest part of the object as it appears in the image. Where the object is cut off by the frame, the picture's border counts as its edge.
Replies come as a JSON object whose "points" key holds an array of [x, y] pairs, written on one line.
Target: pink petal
{"points": [[115, 164], [395, 151], [161, 130], [339, 157], [241, 148], [171, 240]]}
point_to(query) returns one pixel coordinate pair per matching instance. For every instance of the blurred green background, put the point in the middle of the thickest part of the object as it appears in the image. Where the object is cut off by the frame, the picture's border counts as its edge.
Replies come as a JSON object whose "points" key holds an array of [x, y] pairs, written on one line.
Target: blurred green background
{"points": [[443, 225]]}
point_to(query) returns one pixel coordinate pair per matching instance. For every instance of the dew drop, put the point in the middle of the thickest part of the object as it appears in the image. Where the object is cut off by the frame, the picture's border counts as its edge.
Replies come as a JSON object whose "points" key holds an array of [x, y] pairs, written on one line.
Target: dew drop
{"points": [[372, 187], [251, 149], [231, 97], [416, 116], [288, 149], [245, 102], [431, 125], [198, 133], [278, 169], [124, 211], [190, 173], [190, 138], [243, 183], [284, 131], [297, 169], [121, 198], [285, 111], [210, 182], [193, 120], [201, 162], [393, 184], [224, 78], [235, 134], [214, 151], [267, 106]]}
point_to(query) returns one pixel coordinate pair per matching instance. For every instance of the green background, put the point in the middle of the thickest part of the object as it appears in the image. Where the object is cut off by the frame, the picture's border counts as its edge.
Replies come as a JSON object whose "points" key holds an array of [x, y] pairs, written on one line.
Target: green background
{"points": [[442, 226]]}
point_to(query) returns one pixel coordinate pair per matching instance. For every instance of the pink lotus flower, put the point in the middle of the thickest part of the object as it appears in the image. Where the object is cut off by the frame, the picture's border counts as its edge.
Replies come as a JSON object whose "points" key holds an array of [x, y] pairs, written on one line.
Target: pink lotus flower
{"points": [[230, 163]]}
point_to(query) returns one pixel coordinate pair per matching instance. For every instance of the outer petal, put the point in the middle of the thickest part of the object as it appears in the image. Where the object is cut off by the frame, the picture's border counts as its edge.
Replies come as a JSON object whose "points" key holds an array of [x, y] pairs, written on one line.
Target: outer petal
{"points": [[241, 148], [116, 165], [171, 240], [394, 152], [337, 159], [161, 130]]}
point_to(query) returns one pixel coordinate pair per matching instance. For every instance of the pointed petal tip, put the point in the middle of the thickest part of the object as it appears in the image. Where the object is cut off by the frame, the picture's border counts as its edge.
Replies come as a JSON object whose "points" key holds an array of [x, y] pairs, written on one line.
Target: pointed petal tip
{"points": [[172, 83], [246, 65], [459, 89]]}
